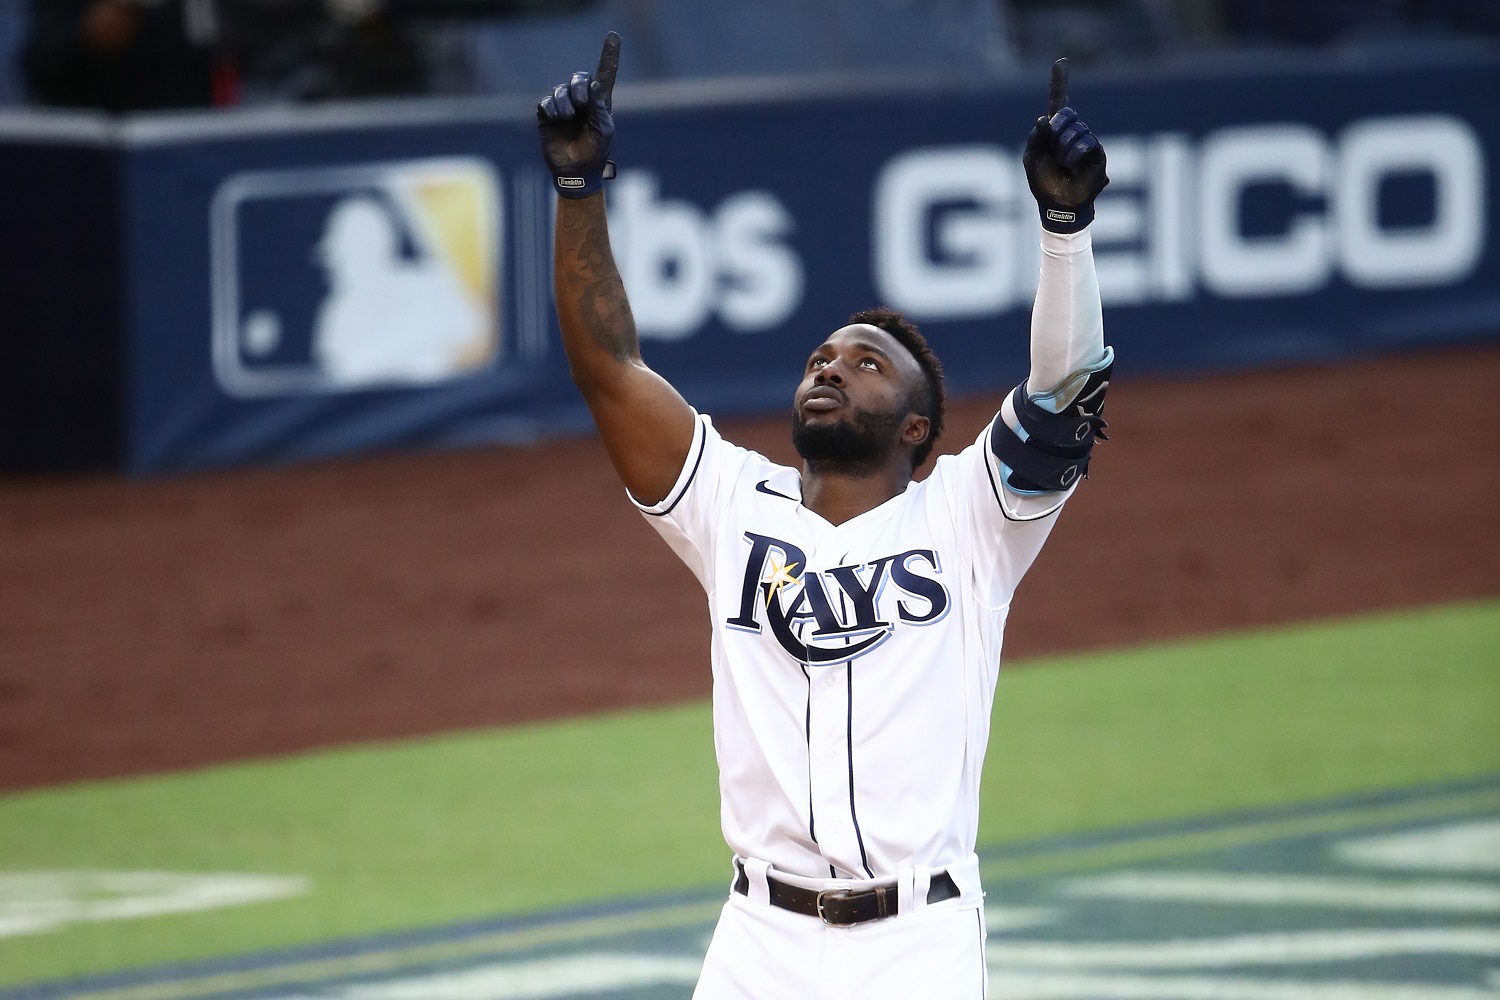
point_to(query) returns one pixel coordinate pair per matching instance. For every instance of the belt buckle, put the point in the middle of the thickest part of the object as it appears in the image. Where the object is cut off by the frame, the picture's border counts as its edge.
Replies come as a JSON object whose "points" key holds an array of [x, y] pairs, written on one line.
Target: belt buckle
{"points": [[839, 893]]}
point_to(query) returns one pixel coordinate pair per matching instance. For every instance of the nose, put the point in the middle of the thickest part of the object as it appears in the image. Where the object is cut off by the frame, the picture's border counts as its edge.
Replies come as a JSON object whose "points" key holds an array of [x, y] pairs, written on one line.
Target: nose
{"points": [[831, 374]]}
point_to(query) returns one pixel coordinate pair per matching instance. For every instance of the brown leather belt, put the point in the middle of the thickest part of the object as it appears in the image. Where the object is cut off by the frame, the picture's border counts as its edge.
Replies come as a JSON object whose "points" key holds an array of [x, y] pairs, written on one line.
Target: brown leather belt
{"points": [[842, 907]]}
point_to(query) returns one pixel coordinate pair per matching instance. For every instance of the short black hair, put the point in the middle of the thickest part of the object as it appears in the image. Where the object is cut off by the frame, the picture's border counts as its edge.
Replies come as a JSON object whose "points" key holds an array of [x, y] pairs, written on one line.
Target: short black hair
{"points": [[929, 398]]}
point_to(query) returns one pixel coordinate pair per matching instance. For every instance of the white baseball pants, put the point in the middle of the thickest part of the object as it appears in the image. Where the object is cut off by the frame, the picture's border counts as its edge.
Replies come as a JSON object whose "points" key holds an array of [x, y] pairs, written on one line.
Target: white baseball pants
{"points": [[762, 952]]}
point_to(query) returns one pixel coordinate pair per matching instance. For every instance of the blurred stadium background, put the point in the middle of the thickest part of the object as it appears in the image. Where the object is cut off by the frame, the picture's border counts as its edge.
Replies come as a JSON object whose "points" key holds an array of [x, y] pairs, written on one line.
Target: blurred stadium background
{"points": [[333, 662]]}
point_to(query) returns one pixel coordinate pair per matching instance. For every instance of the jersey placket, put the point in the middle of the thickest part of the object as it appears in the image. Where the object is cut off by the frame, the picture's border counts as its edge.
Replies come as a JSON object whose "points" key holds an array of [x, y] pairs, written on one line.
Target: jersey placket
{"points": [[829, 766], [832, 767]]}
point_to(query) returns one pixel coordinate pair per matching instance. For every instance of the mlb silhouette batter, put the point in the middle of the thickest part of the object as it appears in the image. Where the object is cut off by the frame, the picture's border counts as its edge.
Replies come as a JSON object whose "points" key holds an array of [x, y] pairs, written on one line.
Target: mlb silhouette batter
{"points": [[856, 615], [387, 320]]}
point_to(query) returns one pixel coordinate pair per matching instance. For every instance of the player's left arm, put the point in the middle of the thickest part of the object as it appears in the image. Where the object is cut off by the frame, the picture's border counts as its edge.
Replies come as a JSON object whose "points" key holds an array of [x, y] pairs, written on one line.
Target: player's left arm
{"points": [[1047, 426]]}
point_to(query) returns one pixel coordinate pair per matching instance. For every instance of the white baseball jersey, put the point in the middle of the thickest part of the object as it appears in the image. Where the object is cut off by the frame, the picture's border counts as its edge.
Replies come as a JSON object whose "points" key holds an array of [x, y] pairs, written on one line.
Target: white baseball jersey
{"points": [[854, 665]]}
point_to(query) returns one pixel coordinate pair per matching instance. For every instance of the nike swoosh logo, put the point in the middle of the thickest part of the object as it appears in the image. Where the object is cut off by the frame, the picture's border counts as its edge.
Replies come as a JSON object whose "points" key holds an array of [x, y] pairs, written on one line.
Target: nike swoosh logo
{"points": [[761, 487]]}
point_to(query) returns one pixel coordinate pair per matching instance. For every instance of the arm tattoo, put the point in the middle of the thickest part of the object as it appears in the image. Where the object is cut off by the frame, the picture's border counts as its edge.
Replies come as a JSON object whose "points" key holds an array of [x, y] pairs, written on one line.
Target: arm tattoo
{"points": [[593, 281]]}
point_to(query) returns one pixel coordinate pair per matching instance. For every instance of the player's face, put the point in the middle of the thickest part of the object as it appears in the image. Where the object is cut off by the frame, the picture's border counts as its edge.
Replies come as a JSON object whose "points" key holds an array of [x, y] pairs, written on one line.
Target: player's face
{"points": [[855, 397]]}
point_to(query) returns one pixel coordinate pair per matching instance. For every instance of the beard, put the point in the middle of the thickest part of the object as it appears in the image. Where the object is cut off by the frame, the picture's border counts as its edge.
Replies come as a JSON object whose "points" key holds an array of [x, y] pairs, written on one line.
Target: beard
{"points": [[858, 445]]}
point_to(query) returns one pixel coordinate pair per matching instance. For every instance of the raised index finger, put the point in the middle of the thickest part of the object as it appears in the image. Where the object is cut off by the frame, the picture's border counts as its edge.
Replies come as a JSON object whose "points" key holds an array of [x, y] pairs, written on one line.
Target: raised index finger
{"points": [[1057, 91], [609, 65]]}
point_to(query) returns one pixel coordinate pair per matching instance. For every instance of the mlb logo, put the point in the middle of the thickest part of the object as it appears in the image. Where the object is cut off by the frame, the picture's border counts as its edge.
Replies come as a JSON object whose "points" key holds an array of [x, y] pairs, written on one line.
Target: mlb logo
{"points": [[337, 279]]}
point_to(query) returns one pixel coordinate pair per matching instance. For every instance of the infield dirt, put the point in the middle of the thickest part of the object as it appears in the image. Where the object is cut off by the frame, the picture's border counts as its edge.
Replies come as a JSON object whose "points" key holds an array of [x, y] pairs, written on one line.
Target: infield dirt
{"points": [[148, 626]]}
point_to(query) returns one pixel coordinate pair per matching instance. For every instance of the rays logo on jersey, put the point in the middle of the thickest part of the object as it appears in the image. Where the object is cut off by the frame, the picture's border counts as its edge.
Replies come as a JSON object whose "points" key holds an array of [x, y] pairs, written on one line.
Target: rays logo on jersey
{"points": [[835, 614], [338, 279]]}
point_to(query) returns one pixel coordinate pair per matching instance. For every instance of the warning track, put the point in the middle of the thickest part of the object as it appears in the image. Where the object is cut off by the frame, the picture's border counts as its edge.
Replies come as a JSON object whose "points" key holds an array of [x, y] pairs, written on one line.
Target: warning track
{"points": [[166, 624]]}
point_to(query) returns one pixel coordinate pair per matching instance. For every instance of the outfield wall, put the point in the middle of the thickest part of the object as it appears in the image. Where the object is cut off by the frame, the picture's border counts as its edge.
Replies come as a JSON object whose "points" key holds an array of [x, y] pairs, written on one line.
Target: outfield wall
{"points": [[266, 286]]}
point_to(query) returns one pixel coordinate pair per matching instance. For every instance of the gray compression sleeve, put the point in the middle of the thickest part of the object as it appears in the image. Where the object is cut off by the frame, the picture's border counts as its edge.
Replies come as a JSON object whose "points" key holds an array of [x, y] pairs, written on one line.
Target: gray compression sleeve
{"points": [[1067, 322], [1067, 335]]}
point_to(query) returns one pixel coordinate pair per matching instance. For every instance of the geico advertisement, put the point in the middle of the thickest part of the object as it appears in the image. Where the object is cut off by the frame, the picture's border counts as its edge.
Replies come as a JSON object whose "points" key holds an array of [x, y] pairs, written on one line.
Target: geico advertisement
{"points": [[1253, 211]]}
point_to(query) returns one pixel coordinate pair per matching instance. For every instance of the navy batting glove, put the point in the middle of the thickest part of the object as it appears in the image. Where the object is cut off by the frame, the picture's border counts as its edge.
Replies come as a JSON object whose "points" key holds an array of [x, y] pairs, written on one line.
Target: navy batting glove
{"points": [[1064, 162], [577, 126]]}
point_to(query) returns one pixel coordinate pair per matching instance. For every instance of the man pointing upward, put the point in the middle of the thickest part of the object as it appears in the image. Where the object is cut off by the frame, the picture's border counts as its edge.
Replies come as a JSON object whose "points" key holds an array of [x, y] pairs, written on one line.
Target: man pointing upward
{"points": [[856, 615]]}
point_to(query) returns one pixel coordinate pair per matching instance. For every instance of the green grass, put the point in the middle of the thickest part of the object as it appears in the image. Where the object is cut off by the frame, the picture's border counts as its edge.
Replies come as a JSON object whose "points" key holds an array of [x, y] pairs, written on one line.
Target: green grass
{"points": [[512, 820], [1245, 720]]}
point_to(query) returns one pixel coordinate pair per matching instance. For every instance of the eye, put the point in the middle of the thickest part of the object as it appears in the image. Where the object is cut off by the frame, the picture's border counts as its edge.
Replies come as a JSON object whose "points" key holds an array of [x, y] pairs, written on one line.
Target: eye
{"points": [[870, 363], [817, 362]]}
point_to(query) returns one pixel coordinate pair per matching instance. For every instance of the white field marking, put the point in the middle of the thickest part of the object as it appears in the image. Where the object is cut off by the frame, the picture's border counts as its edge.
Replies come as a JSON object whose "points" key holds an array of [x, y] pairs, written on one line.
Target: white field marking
{"points": [[600, 972], [1292, 890], [1009, 985], [1246, 949], [32, 902], [1455, 847], [999, 919]]}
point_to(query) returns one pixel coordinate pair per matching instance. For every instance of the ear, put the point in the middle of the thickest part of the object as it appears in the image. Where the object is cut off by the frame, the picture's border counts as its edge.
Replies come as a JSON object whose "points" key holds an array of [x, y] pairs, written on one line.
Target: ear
{"points": [[915, 430]]}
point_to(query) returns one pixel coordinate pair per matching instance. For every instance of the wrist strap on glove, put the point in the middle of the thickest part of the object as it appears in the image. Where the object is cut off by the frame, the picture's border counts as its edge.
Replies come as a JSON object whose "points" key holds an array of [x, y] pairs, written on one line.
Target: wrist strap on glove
{"points": [[1065, 219], [583, 185]]}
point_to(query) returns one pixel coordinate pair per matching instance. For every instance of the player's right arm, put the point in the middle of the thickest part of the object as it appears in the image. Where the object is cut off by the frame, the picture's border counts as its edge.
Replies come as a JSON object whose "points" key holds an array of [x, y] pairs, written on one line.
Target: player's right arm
{"points": [[646, 426]]}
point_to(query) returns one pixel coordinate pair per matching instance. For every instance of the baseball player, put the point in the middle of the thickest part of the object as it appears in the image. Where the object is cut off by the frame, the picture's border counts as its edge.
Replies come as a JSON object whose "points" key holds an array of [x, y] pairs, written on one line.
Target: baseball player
{"points": [[856, 614]]}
